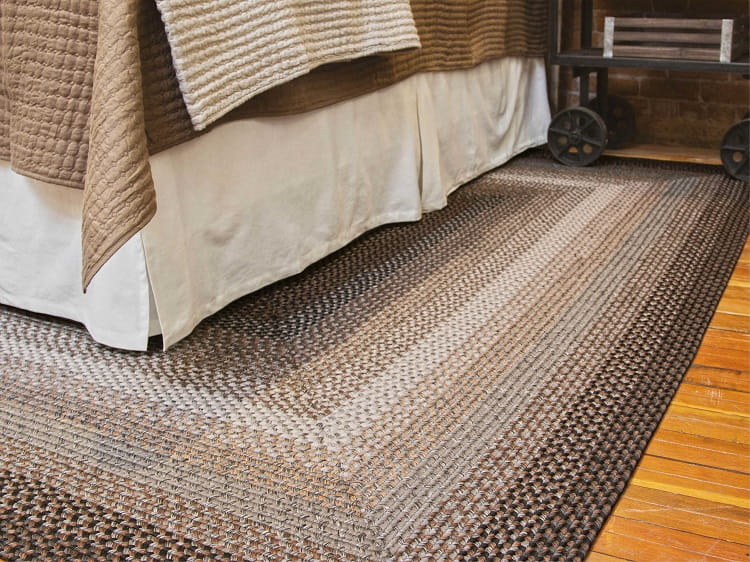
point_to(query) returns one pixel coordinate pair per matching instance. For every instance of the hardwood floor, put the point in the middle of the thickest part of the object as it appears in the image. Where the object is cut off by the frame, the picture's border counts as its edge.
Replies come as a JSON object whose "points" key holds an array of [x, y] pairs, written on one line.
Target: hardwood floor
{"points": [[689, 498]]}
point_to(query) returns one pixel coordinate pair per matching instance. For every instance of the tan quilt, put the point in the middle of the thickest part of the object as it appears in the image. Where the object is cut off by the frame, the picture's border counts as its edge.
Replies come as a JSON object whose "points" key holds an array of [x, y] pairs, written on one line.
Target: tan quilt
{"points": [[88, 90], [227, 51]]}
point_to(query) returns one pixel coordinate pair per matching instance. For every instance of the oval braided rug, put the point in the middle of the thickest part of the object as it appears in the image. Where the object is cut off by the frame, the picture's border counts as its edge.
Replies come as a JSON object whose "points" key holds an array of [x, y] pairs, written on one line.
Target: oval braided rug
{"points": [[476, 385]]}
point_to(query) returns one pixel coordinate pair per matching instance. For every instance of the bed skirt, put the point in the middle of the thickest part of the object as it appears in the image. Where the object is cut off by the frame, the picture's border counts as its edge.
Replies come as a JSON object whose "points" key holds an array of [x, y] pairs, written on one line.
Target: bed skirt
{"points": [[258, 200]]}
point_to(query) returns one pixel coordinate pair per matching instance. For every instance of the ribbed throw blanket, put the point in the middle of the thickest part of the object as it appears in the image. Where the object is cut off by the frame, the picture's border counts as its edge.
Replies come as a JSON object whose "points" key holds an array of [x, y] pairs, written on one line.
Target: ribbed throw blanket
{"points": [[227, 51]]}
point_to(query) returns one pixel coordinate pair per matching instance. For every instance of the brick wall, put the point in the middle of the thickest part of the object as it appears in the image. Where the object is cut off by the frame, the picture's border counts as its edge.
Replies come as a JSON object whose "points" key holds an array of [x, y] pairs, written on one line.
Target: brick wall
{"points": [[671, 107]]}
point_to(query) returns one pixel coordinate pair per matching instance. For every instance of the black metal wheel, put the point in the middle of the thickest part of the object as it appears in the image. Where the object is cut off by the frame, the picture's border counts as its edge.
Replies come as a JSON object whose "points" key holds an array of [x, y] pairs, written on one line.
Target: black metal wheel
{"points": [[619, 117], [577, 136], [735, 147]]}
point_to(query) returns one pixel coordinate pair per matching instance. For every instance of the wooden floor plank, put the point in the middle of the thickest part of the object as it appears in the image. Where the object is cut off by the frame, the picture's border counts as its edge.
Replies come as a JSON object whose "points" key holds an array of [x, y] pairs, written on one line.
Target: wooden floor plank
{"points": [[737, 293], [701, 450], [706, 424], [696, 471], [637, 549], [739, 282], [713, 399], [729, 321], [718, 378], [689, 479], [726, 339], [728, 513], [599, 557], [681, 540], [734, 306], [741, 273], [732, 359], [704, 443], [697, 155], [683, 513]]}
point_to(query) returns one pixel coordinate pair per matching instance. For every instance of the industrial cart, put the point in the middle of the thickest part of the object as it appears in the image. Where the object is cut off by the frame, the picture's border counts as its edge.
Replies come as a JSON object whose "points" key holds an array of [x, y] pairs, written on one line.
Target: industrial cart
{"points": [[578, 136]]}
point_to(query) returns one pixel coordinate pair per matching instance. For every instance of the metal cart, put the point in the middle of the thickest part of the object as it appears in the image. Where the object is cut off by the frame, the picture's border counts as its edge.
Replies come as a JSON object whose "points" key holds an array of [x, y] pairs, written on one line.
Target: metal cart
{"points": [[578, 136]]}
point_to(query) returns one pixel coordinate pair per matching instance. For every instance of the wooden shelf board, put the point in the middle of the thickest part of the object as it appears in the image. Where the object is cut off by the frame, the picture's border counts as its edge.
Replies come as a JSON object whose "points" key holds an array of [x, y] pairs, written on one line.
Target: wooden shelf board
{"points": [[593, 58], [669, 153]]}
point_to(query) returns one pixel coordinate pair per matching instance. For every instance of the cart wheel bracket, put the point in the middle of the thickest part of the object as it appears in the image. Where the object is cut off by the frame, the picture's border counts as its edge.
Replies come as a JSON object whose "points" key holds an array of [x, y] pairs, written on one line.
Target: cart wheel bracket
{"points": [[735, 150]]}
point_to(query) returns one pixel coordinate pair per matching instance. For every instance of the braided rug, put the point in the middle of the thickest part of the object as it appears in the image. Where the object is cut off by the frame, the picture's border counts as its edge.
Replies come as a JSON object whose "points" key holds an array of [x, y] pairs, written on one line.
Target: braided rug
{"points": [[476, 385]]}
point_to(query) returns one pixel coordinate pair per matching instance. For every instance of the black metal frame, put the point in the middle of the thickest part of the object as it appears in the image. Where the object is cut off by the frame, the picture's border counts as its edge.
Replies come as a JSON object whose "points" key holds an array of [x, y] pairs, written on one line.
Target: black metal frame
{"points": [[588, 59]]}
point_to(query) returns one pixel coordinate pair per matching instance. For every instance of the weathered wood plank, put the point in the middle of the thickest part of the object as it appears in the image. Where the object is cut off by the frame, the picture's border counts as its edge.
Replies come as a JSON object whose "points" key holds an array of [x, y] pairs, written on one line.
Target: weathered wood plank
{"points": [[718, 378], [672, 538], [722, 486], [713, 399], [705, 423], [726, 339], [685, 513], [599, 557], [717, 453], [731, 359], [726, 320]]}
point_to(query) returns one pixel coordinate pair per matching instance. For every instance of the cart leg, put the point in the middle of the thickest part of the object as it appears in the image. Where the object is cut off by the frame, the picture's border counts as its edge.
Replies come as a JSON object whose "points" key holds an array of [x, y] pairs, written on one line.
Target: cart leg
{"points": [[584, 79], [602, 89]]}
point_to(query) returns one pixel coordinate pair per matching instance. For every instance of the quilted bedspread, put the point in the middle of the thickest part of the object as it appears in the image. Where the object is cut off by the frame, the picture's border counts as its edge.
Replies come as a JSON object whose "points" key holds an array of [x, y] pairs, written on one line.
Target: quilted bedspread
{"points": [[88, 89]]}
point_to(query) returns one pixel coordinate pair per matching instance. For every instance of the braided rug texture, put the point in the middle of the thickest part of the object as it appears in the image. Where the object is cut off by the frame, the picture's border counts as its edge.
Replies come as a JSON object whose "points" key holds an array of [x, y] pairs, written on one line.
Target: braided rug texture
{"points": [[476, 385]]}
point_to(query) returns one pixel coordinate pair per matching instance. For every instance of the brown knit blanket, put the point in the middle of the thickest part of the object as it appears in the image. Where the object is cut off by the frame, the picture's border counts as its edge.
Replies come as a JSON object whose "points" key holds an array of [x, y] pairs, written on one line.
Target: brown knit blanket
{"points": [[88, 90]]}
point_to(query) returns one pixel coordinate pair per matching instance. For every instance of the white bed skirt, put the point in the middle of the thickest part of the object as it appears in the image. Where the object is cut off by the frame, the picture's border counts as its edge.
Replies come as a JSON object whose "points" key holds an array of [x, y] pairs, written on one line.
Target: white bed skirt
{"points": [[257, 200]]}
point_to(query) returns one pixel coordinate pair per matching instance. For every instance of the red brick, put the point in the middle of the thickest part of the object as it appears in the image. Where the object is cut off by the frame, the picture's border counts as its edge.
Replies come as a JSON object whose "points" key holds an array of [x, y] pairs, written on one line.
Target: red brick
{"points": [[624, 86], [684, 132], [670, 89], [692, 110], [709, 8], [722, 116], [640, 73], [701, 76], [641, 109], [733, 92], [665, 109]]}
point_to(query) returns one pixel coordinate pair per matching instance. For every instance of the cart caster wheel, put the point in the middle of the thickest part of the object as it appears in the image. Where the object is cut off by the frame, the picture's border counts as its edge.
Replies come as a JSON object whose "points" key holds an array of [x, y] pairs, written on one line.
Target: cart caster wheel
{"points": [[735, 147], [577, 136], [620, 120]]}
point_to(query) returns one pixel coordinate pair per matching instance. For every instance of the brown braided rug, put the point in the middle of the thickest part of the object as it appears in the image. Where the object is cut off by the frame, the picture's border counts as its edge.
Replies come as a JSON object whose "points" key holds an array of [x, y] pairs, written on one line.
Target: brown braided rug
{"points": [[479, 384]]}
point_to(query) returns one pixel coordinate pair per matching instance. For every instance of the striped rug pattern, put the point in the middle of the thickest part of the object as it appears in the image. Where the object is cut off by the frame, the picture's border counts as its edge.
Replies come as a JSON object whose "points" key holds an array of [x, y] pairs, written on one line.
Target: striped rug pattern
{"points": [[476, 385]]}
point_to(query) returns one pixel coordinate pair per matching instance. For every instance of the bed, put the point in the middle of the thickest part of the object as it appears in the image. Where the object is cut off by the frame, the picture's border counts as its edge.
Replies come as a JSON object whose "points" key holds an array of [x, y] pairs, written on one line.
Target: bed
{"points": [[230, 201]]}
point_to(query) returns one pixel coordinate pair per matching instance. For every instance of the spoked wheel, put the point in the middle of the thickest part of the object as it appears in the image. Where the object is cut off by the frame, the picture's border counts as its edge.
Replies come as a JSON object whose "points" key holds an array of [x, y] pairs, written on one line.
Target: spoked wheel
{"points": [[734, 150], [619, 118], [577, 136]]}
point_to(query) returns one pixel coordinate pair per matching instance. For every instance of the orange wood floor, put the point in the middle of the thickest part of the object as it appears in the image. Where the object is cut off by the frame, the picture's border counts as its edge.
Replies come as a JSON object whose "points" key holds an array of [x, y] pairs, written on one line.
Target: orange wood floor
{"points": [[689, 498]]}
